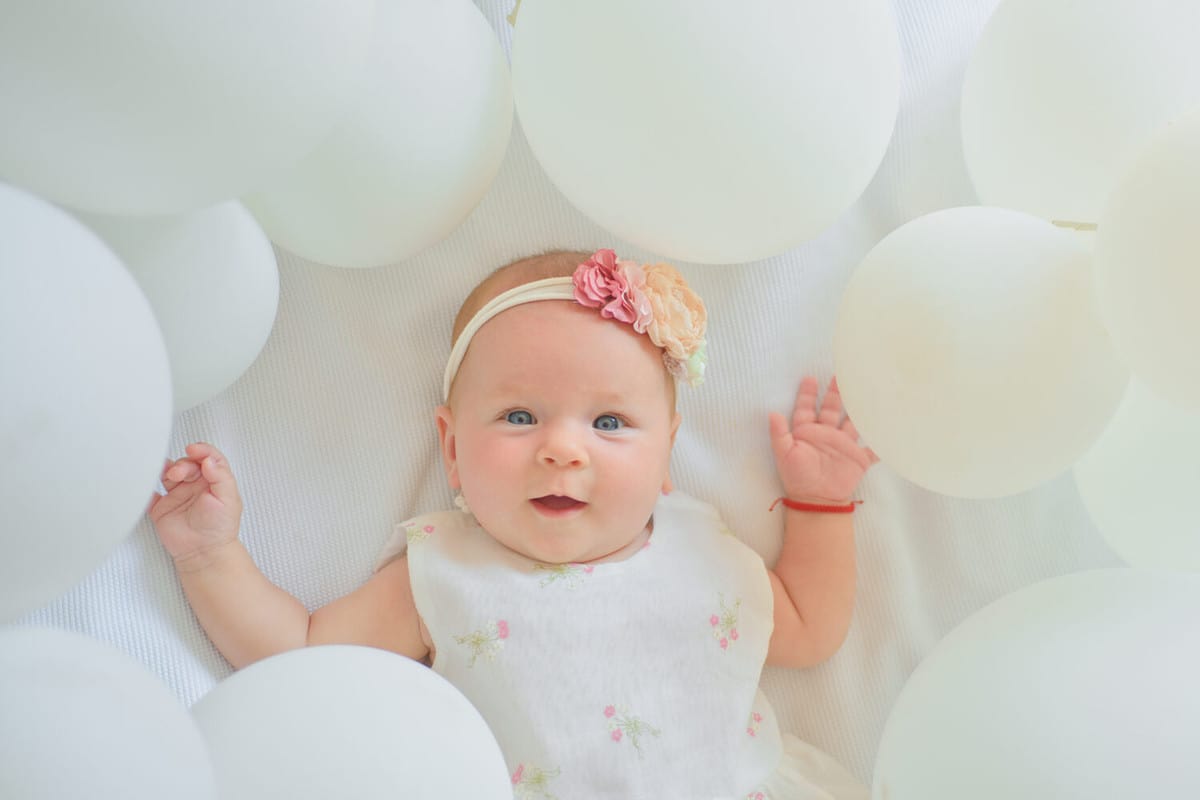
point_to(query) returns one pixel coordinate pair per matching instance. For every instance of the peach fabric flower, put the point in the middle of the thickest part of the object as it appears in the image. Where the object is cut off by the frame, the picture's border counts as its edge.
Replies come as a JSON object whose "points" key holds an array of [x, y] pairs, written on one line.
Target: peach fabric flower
{"points": [[678, 315], [678, 322]]}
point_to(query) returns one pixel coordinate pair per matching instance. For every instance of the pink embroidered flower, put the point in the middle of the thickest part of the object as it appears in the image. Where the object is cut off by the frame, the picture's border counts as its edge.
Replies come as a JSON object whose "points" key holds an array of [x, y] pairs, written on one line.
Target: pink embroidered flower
{"points": [[502, 629], [588, 568], [751, 731], [757, 716], [428, 529], [622, 725], [724, 625], [516, 776]]}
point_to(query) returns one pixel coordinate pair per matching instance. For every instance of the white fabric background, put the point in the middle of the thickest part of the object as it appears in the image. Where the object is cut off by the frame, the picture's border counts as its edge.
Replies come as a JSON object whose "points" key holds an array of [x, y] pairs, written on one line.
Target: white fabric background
{"points": [[331, 431]]}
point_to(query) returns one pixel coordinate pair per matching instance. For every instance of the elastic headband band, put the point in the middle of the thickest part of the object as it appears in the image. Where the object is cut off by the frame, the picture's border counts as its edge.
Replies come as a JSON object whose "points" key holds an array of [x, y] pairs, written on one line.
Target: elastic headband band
{"points": [[545, 289]]}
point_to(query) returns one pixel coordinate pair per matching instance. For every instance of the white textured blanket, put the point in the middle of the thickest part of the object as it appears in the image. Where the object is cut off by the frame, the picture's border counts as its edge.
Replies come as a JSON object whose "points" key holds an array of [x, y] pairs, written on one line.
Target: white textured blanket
{"points": [[331, 431]]}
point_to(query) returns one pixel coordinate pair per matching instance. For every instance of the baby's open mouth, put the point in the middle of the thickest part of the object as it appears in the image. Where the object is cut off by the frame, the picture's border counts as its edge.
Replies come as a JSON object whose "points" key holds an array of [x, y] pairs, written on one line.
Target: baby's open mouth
{"points": [[557, 503]]}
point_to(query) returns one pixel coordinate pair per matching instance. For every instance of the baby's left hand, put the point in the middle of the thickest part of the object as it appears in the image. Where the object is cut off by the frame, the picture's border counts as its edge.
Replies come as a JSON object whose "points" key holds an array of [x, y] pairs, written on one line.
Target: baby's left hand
{"points": [[818, 456]]}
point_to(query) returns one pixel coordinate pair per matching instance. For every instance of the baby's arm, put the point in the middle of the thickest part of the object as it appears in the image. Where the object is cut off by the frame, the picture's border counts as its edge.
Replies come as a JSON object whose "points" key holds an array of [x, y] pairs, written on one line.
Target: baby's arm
{"points": [[819, 461], [245, 615]]}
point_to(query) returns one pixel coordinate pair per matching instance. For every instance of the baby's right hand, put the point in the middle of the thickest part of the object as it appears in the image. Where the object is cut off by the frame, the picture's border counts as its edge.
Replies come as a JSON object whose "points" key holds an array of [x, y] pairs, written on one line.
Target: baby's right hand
{"points": [[201, 508]]}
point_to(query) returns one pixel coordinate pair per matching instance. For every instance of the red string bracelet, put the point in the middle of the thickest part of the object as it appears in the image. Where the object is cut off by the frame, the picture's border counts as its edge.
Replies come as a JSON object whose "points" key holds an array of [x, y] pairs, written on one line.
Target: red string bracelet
{"points": [[796, 505]]}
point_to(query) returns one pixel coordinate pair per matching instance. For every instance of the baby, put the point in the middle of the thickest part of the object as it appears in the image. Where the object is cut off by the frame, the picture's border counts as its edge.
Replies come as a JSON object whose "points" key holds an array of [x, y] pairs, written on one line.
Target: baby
{"points": [[611, 630]]}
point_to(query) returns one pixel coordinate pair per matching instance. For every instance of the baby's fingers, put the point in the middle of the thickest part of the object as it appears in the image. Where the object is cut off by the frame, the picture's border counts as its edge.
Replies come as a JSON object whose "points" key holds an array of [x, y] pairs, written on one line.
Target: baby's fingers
{"points": [[781, 434], [831, 405], [805, 409], [182, 471], [220, 478], [851, 432]]}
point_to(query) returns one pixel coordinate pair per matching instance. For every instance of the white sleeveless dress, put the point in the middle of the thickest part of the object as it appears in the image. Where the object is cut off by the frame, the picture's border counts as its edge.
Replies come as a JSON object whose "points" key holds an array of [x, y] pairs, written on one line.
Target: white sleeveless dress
{"points": [[621, 680]]}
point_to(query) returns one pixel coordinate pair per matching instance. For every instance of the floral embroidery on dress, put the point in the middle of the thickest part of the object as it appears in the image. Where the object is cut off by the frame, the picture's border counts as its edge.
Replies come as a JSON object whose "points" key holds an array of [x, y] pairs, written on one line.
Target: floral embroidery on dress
{"points": [[416, 533], [755, 722], [533, 782], [756, 796], [571, 575], [487, 641], [724, 625], [622, 725]]}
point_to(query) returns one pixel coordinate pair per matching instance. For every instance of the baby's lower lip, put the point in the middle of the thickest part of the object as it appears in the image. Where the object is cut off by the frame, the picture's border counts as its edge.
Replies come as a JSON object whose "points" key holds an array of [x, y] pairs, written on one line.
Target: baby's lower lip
{"points": [[553, 505]]}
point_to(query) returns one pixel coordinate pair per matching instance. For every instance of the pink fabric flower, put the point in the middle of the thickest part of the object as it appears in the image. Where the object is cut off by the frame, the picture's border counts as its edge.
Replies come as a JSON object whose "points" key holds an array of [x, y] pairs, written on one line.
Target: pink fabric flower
{"points": [[757, 717], [724, 644], [713, 620], [609, 711], [751, 731], [733, 634], [502, 629], [616, 735], [428, 529], [516, 776], [615, 287]]}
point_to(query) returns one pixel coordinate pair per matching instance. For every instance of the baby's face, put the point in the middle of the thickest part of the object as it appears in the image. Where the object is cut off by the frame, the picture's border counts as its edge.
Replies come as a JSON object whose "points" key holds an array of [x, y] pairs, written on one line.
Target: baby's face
{"points": [[560, 431]]}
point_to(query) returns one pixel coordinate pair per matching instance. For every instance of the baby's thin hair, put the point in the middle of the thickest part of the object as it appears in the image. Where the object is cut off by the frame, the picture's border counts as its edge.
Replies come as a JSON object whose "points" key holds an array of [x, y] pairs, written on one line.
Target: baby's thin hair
{"points": [[550, 264]]}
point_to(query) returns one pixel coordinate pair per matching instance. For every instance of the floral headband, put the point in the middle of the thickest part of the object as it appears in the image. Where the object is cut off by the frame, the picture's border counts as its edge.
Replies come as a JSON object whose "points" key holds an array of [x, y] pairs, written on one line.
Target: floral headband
{"points": [[653, 298]]}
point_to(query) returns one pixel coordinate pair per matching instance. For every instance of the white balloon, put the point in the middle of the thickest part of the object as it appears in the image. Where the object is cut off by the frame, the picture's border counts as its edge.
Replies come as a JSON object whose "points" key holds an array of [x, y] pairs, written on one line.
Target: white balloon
{"points": [[211, 278], [86, 407], [347, 721], [1139, 482], [129, 107], [1079, 687], [969, 353], [414, 153], [705, 130], [1148, 263], [79, 718], [1059, 94]]}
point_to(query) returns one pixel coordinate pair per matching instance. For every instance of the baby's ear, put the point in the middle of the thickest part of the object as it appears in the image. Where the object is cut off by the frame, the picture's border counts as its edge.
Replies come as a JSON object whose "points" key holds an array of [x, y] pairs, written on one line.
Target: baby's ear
{"points": [[445, 426]]}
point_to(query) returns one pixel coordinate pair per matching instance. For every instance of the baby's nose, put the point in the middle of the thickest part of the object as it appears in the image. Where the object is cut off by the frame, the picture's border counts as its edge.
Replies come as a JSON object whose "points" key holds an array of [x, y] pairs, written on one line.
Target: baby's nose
{"points": [[562, 448]]}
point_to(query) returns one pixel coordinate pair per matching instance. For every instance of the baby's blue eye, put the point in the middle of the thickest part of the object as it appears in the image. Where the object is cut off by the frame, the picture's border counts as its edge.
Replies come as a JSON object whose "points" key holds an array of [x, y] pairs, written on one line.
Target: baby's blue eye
{"points": [[519, 417], [607, 422]]}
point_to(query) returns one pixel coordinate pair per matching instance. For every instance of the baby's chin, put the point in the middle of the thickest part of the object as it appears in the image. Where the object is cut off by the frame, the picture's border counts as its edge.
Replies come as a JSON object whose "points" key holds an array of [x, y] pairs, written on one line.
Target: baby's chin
{"points": [[564, 542]]}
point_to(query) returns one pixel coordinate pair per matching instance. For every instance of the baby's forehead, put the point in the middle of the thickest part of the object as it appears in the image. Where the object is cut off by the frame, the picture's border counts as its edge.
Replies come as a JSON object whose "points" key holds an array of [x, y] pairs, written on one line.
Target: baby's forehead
{"points": [[557, 314], [576, 334], [552, 343]]}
